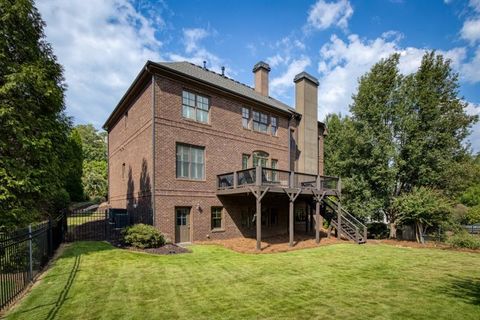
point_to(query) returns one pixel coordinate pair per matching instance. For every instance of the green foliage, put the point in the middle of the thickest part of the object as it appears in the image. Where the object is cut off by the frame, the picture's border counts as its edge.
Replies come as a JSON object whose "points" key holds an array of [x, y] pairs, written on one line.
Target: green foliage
{"points": [[471, 196], [404, 132], [423, 208], [34, 131], [143, 236], [95, 178], [94, 146], [464, 240], [74, 167], [473, 215]]}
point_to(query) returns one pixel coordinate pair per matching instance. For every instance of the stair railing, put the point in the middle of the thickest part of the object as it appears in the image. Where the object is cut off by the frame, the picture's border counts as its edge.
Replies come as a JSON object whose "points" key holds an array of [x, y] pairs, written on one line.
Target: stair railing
{"points": [[360, 228]]}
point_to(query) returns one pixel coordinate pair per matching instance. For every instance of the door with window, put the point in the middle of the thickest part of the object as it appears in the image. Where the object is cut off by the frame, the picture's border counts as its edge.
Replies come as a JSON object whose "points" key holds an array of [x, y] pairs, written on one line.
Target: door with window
{"points": [[182, 224]]}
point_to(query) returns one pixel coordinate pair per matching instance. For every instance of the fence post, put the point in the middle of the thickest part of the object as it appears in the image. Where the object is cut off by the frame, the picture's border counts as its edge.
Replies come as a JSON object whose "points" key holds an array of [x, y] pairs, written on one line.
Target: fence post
{"points": [[30, 253], [50, 237]]}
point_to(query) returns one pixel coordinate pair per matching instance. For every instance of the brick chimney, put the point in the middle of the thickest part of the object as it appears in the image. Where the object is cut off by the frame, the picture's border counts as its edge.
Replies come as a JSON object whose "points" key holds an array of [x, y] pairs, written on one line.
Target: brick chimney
{"points": [[261, 70], [306, 93]]}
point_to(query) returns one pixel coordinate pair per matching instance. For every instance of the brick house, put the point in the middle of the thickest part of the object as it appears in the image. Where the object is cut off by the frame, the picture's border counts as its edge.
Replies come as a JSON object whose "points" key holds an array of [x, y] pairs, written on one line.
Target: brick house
{"points": [[186, 144]]}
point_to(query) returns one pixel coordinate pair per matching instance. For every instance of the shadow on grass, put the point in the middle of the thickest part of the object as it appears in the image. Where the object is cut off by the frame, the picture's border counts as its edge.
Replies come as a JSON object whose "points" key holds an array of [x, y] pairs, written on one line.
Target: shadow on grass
{"points": [[75, 251], [63, 294], [463, 288]]}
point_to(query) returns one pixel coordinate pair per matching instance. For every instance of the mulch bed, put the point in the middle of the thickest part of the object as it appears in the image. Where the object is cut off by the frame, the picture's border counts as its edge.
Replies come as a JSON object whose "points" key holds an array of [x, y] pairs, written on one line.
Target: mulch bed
{"points": [[166, 249]]}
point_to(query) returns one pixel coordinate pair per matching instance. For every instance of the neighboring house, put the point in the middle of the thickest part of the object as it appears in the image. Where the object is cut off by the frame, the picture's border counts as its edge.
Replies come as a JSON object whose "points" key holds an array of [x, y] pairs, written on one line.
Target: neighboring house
{"points": [[185, 145]]}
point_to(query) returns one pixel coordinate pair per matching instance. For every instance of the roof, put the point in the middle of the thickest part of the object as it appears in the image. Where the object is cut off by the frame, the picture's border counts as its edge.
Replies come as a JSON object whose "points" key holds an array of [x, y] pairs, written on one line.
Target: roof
{"points": [[216, 79]]}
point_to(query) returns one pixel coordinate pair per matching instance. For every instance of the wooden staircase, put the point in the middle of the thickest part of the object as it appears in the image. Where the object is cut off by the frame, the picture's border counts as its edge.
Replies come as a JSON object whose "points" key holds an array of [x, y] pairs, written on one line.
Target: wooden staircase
{"points": [[350, 227]]}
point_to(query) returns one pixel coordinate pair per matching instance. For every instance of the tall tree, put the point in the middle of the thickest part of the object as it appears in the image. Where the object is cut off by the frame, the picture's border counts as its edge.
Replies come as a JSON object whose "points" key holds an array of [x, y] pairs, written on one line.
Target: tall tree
{"points": [[403, 133], [95, 162], [33, 127]]}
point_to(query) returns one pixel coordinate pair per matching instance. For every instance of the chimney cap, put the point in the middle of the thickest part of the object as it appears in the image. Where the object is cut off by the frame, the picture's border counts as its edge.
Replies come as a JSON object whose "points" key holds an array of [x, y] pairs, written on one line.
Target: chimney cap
{"points": [[260, 65], [305, 75]]}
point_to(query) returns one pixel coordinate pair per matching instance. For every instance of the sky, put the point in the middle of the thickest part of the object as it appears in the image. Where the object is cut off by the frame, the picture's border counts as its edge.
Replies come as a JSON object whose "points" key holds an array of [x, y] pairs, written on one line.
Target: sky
{"points": [[104, 44]]}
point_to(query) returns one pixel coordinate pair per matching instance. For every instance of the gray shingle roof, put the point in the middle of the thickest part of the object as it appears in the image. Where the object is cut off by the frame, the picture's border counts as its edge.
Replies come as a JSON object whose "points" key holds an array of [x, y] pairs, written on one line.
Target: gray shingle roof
{"points": [[216, 79]]}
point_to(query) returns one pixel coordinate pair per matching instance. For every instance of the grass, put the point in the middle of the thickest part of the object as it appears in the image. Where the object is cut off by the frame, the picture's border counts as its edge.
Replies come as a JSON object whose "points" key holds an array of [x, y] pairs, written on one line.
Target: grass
{"points": [[93, 280]]}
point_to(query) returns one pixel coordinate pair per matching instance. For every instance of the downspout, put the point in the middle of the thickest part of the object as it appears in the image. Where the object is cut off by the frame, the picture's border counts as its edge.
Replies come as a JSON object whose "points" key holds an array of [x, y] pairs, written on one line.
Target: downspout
{"points": [[153, 150]]}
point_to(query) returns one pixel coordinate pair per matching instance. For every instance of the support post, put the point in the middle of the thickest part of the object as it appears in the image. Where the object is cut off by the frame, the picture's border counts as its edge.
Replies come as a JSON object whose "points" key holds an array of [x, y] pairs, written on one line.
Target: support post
{"points": [[258, 176], [290, 222], [235, 179], [30, 253], [259, 223], [317, 221], [291, 183], [339, 219]]}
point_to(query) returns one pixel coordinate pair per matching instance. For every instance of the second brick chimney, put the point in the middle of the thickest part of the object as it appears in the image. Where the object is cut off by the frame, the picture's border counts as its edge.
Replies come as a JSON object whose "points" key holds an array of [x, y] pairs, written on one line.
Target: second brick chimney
{"points": [[306, 87], [261, 70]]}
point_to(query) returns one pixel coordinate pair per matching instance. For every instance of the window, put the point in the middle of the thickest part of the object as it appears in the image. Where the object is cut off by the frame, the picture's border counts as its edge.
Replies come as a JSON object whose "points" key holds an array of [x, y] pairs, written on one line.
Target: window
{"points": [[260, 121], [246, 117], [190, 162], [245, 158], [274, 125], [260, 158], [195, 107], [217, 218], [274, 164]]}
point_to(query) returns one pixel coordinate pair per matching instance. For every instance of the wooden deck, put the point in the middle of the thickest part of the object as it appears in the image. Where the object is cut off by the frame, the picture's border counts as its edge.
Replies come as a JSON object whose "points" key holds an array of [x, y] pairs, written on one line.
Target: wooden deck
{"points": [[275, 181]]}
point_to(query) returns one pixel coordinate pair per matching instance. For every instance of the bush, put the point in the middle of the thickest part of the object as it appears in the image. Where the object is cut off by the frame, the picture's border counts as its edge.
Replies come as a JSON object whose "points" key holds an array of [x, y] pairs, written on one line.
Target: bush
{"points": [[464, 240], [377, 230], [143, 236]]}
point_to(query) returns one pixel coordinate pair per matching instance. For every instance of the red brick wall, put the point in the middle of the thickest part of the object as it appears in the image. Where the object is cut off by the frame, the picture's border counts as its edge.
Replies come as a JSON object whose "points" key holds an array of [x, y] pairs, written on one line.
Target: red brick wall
{"points": [[224, 139], [130, 143]]}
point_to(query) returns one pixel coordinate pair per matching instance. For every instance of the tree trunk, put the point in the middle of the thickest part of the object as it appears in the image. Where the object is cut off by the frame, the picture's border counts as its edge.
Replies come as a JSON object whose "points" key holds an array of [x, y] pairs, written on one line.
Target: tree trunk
{"points": [[393, 230]]}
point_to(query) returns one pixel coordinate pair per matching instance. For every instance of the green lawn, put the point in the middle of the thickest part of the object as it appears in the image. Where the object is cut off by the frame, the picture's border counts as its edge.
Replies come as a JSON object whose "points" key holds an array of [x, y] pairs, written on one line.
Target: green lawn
{"points": [[93, 280]]}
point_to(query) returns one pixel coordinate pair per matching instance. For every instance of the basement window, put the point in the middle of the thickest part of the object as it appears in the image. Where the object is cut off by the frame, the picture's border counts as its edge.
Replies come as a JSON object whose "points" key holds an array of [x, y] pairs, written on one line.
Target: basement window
{"points": [[217, 218]]}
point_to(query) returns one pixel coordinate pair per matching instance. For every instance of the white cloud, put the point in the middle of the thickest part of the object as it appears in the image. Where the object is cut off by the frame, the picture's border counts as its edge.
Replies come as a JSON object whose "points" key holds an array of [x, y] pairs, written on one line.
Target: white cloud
{"points": [[102, 46], [192, 37], [280, 84], [323, 14], [475, 4], [196, 53], [470, 71], [342, 63], [471, 30]]}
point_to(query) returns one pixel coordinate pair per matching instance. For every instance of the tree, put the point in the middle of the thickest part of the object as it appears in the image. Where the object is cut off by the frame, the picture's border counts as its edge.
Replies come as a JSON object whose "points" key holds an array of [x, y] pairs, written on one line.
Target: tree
{"points": [[74, 167], [94, 177], [404, 132], [33, 127], [423, 208]]}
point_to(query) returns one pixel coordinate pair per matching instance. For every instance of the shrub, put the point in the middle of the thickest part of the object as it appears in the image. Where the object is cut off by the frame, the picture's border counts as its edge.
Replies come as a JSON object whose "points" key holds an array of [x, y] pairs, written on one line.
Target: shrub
{"points": [[143, 236], [464, 240], [377, 230]]}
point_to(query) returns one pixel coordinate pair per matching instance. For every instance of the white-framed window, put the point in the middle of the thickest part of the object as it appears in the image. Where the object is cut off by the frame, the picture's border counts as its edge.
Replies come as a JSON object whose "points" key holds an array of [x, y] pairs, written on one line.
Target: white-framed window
{"points": [[195, 106], [217, 217], [245, 161], [274, 125], [190, 162], [246, 117], [260, 158], [260, 121]]}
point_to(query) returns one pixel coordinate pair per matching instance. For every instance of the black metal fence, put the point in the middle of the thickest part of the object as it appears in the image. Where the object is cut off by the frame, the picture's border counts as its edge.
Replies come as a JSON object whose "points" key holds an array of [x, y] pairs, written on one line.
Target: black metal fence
{"points": [[24, 252], [99, 226]]}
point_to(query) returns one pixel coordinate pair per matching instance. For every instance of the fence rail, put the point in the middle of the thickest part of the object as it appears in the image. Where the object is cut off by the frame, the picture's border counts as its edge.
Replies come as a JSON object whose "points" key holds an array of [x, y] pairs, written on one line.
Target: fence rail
{"points": [[23, 254]]}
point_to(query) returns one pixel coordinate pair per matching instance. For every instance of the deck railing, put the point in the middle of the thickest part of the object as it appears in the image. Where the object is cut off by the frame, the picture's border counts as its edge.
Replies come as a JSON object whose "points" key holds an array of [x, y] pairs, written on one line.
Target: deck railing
{"points": [[275, 178]]}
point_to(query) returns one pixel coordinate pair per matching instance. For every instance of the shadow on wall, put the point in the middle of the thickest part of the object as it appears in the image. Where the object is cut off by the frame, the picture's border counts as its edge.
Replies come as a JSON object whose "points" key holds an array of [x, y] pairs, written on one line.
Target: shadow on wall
{"points": [[139, 203]]}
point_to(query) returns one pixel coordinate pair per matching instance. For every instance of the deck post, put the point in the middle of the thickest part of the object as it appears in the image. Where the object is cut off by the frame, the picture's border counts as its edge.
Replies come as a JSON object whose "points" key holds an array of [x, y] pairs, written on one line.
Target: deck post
{"points": [[291, 182], [290, 223], [235, 179], [258, 175], [317, 221], [259, 223], [339, 213]]}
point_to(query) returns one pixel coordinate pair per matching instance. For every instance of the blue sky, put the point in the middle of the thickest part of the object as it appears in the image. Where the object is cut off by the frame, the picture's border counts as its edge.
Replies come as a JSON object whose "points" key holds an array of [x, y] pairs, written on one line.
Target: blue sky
{"points": [[104, 44]]}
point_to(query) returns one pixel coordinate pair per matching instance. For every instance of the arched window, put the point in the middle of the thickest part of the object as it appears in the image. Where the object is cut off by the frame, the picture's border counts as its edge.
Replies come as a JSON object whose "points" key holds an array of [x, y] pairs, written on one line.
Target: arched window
{"points": [[260, 158]]}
